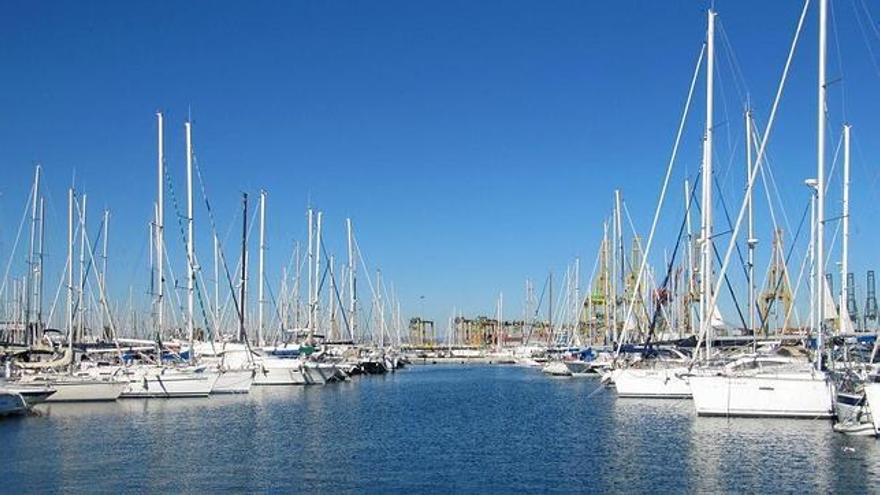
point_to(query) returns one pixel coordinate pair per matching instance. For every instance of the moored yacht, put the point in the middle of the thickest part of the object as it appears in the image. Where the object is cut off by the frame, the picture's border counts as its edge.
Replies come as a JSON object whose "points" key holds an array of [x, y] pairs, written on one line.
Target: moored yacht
{"points": [[763, 386]]}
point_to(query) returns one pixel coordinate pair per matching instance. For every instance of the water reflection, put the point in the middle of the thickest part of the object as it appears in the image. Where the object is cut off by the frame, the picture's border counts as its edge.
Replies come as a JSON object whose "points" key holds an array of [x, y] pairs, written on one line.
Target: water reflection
{"points": [[471, 429]]}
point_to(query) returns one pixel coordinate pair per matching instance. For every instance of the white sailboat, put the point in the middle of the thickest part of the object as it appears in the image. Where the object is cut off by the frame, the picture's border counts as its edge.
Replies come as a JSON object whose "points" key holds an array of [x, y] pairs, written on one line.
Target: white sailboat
{"points": [[767, 385]]}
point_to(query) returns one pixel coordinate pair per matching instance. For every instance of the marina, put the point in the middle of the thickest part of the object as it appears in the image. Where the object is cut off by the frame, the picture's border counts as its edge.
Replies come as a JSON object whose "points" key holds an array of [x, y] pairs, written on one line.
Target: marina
{"points": [[246, 311], [362, 434]]}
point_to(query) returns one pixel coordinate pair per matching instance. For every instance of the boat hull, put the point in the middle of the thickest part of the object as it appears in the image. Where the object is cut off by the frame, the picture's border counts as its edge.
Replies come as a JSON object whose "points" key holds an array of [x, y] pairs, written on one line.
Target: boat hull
{"points": [[169, 384], [872, 395], [651, 383], [276, 371], [234, 382], [793, 396], [86, 391]]}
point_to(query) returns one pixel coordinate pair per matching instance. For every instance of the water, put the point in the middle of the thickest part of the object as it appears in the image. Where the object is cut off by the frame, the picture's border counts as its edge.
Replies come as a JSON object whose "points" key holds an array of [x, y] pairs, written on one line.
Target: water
{"points": [[426, 429]]}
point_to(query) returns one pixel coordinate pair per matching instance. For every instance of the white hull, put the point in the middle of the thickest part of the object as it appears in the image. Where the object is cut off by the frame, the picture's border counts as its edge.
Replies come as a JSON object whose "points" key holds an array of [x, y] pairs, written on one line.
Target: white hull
{"points": [[784, 395], [234, 382], [872, 394], [167, 383], [652, 383], [277, 371], [556, 368], [85, 390], [319, 373]]}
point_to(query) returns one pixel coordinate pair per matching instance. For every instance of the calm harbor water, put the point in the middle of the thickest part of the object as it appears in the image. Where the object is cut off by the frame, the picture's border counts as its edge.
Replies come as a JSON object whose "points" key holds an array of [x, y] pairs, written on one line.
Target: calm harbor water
{"points": [[426, 429]]}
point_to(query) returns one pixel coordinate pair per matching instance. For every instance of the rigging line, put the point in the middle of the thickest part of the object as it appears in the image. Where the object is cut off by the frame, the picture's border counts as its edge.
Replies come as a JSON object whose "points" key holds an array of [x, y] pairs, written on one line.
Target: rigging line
{"points": [[739, 254], [787, 261], [865, 35], [191, 261], [862, 161], [663, 190], [726, 279], [222, 256], [335, 287], [85, 277], [759, 158], [537, 310], [17, 238], [834, 30], [733, 61], [669, 266]]}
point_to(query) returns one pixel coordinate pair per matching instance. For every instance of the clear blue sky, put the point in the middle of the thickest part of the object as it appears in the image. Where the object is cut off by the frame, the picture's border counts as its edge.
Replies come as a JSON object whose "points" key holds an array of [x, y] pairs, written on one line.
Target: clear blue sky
{"points": [[474, 143]]}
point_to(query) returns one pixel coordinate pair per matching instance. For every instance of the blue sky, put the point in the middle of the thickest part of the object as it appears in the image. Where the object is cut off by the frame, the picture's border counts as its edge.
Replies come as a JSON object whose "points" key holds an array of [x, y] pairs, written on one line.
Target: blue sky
{"points": [[474, 143]]}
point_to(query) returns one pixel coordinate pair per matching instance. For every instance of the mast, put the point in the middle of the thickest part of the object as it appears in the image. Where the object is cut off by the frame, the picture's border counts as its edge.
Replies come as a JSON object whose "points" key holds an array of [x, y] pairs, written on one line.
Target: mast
{"points": [[261, 275], [40, 256], [311, 270], [706, 227], [242, 335], [82, 269], [160, 227], [216, 284], [190, 243], [104, 262], [70, 271], [352, 281], [690, 254], [752, 241], [550, 309], [318, 246], [820, 178], [619, 260], [30, 333], [577, 296], [844, 255], [332, 302]]}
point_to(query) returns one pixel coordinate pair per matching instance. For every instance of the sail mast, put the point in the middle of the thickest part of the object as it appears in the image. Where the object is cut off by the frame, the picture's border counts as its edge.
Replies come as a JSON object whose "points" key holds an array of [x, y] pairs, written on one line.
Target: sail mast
{"points": [[752, 241], [261, 281], [844, 255], [190, 242], [352, 282], [70, 271], [160, 226], [820, 179], [242, 335], [706, 227]]}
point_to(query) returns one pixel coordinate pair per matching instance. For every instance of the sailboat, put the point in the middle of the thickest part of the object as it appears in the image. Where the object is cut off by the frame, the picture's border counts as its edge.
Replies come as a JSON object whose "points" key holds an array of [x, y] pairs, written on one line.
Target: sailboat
{"points": [[59, 374], [779, 385]]}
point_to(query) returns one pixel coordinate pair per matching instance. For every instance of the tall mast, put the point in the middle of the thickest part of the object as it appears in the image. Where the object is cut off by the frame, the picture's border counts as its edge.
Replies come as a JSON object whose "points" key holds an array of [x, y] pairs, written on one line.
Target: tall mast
{"points": [[820, 178], [332, 299], [40, 256], [29, 280], [318, 245], [577, 293], [82, 269], [606, 289], [160, 228], [619, 259], [352, 281], [311, 270], [70, 271], [190, 242], [844, 261], [690, 255], [243, 286], [105, 314], [706, 227], [261, 281], [216, 284], [752, 241], [550, 309]]}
